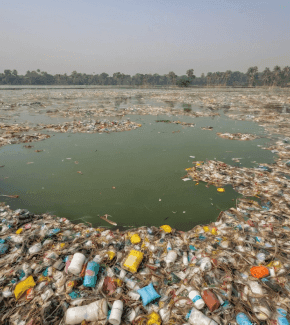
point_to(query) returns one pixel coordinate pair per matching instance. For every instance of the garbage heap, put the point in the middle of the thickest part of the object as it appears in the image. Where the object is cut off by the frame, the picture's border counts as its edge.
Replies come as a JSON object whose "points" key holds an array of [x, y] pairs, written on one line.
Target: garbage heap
{"points": [[237, 136], [92, 126], [233, 271], [270, 183], [11, 134]]}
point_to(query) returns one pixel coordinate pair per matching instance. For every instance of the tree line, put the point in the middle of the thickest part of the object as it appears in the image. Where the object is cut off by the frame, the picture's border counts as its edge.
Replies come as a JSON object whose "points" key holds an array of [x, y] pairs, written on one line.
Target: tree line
{"points": [[276, 77]]}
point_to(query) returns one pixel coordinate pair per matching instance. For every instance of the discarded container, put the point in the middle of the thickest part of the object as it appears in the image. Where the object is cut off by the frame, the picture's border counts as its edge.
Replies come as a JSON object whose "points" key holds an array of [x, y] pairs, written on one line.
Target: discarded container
{"points": [[76, 264], [198, 318], [116, 312], [91, 274], [166, 228], [95, 311], [22, 286], [195, 296], [135, 239], [133, 261], [210, 300]]}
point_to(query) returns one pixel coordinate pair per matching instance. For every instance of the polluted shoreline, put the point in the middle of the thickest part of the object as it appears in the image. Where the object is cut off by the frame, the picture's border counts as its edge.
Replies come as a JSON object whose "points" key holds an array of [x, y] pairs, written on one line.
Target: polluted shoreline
{"points": [[235, 270]]}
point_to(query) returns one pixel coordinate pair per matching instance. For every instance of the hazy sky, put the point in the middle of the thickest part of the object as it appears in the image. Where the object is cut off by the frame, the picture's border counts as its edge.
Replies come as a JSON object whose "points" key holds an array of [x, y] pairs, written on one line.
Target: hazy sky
{"points": [[145, 36]]}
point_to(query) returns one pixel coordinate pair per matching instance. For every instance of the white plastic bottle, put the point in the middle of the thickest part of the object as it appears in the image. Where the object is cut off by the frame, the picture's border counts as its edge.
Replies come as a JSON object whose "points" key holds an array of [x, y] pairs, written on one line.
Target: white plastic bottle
{"points": [[77, 263], [195, 296], [131, 284], [95, 311], [185, 259], [170, 258], [198, 318], [116, 313]]}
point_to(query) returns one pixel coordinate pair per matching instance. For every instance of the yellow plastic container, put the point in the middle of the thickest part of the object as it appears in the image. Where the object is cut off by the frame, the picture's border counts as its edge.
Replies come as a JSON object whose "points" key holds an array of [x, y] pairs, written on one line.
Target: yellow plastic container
{"points": [[166, 228], [22, 286], [221, 190], [133, 261], [111, 255], [154, 318], [135, 239], [214, 231], [206, 229], [19, 231]]}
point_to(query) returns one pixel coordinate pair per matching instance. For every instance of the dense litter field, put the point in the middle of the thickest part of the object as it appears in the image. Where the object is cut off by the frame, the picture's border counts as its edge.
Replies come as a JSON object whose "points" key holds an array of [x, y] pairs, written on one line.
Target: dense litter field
{"points": [[235, 270]]}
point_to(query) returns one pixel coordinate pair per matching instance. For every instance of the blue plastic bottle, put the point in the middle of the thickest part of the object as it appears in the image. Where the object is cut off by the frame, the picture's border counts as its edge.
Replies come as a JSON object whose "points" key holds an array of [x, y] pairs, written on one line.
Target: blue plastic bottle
{"points": [[91, 274]]}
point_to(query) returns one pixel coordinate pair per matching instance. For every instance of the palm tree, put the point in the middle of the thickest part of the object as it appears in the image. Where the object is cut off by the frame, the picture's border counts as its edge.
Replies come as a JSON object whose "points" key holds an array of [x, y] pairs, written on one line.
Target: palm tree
{"points": [[277, 75], [266, 76], [252, 74]]}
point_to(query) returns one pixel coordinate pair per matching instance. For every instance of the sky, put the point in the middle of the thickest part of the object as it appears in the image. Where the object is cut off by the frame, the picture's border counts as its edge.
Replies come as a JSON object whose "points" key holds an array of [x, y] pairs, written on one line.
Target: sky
{"points": [[143, 36]]}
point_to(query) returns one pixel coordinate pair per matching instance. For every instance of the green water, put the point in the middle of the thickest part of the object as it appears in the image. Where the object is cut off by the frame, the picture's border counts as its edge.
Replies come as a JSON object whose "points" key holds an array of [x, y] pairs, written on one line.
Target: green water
{"points": [[145, 165]]}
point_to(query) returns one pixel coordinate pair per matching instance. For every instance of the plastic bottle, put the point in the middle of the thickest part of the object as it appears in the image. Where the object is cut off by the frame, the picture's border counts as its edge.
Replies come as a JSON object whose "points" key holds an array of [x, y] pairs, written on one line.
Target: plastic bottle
{"points": [[95, 311], [195, 296], [133, 295], [116, 312], [210, 300], [170, 258], [198, 318], [77, 263], [91, 274], [242, 319], [131, 284], [185, 259]]}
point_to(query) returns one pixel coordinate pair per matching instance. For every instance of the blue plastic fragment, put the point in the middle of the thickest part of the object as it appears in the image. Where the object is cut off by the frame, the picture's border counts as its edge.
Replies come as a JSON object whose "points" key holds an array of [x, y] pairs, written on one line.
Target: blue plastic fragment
{"points": [[74, 295], [192, 248], [3, 248]]}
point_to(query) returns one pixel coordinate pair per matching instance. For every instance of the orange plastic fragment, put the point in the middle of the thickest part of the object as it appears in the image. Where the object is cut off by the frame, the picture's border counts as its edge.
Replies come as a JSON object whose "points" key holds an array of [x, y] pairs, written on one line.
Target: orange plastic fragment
{"points": [[259, 271]]}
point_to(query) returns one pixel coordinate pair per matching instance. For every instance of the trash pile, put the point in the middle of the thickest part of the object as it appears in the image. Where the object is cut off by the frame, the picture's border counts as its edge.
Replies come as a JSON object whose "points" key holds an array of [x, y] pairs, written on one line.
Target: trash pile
{"points": [[265, 181], [92, 126], [11, 134], [233, 271], [237, 136]]}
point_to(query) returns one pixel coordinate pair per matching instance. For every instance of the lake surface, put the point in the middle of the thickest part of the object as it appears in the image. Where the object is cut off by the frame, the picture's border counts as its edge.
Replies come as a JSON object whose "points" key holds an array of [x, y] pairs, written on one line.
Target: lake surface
{"points": [[144, 165]]}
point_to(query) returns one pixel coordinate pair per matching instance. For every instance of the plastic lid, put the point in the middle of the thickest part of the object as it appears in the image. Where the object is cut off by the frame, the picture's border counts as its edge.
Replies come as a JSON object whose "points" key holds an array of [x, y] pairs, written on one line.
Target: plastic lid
{"points": [[193, 293]]}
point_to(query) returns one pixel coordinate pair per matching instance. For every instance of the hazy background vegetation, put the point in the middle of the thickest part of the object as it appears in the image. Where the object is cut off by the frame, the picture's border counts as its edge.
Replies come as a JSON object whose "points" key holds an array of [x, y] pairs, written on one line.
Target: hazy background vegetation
{"points": [[276, 77]]}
